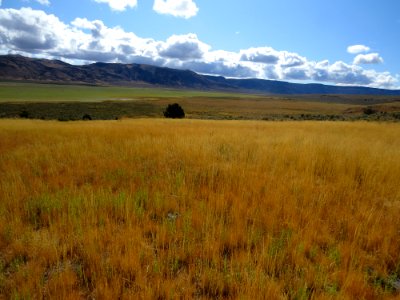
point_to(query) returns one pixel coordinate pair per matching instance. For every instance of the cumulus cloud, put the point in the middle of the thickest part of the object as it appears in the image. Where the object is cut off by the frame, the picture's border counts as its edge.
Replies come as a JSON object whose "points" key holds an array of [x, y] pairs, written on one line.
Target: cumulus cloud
{"points": [[341, 73], [34, 33], [29, 30], [371, 58], [268, 55], [183, 47], [82, 23], [355, 49], [177, 8], [289, 59], [296, 74], [118, 5], [265, 55]]}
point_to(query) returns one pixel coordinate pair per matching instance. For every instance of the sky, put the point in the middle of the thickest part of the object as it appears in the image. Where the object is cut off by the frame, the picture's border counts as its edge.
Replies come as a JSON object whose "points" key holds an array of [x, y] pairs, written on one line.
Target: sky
{"points": [[338, 42]]}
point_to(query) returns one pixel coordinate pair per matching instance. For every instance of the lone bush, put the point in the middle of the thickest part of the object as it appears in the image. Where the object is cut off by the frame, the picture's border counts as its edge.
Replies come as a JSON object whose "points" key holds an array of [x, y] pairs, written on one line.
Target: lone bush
{"points": [[369, 111], [24, 114], [86, 117], [174, 111]]}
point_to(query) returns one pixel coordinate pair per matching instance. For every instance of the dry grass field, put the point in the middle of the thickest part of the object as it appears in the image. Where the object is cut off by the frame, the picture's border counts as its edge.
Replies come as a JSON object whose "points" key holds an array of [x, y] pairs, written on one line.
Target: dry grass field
{"points": [[181, 209]]}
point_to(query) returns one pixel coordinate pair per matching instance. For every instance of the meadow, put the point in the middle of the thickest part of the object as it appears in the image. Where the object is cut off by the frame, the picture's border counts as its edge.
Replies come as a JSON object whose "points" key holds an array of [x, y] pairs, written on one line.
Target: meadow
{"points": [[72, 102], [167, 209], [42, 92]]}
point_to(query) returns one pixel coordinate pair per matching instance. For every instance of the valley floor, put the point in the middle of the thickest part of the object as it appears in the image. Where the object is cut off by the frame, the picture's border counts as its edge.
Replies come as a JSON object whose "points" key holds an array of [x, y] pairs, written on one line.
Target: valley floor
{"points": [[73, 102]]}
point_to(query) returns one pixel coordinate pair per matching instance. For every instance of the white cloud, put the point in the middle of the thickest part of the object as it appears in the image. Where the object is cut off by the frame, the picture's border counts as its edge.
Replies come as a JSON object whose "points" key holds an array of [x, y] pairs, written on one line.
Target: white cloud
{"points": [[82, 23], [29, 30], [296, 74], [355, 49], [177, 8], [265, 55], [343, 74], [35, 33], [289, 59], [183, 47], [119, 5], [44, 2], [270, 56], [371, 58]]}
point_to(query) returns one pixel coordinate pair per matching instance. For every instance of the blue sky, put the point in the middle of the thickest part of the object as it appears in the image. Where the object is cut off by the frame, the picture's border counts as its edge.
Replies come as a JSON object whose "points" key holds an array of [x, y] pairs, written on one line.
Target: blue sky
{"points": [[333, 42]]}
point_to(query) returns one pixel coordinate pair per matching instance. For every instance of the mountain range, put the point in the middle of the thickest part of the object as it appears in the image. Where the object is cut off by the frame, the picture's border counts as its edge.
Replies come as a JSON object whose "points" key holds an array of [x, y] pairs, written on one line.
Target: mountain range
{"points": [[20, 68]]}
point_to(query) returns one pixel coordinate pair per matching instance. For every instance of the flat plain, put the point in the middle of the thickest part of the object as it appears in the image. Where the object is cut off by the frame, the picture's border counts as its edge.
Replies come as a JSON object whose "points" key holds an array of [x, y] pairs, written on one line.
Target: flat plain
{"points": [[72, 102], [166, 209]]}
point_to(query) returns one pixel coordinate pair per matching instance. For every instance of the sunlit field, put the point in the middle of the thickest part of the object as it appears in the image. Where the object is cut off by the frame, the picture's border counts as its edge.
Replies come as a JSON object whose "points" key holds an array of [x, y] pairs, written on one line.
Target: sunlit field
{"points": [[40, 92], [169, 209], [73, 102]]}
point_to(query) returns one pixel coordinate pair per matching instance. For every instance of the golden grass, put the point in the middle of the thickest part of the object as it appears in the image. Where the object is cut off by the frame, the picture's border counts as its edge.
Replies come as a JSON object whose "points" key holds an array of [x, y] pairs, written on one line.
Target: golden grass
{"points": [[199, 209]]}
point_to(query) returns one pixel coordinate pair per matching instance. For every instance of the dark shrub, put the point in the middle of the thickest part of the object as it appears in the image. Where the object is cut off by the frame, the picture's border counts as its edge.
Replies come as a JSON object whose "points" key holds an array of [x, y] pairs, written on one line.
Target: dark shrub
{"points": [[174, 111], [369, 111], [24, 114], [86, 117]]}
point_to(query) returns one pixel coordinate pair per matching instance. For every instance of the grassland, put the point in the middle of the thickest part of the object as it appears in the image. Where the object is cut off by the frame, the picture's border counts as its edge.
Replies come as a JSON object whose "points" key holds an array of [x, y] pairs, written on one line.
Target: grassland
{"points": [[35, 92], [72, 102], [163, 209]]}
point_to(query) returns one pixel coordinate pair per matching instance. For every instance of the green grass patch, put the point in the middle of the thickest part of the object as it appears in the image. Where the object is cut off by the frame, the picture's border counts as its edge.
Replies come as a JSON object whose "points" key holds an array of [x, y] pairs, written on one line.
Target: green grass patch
{"points": [[34, 92], [77, 102]]}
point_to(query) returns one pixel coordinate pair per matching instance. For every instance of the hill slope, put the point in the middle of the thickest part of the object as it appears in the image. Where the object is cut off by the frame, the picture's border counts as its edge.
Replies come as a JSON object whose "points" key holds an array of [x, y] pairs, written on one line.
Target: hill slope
{"points": [[16, 67]]}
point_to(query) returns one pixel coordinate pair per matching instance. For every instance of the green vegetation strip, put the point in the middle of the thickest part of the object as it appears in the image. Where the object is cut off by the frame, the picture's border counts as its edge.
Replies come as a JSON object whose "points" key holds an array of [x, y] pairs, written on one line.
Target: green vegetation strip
{"points": [[34, 92]]}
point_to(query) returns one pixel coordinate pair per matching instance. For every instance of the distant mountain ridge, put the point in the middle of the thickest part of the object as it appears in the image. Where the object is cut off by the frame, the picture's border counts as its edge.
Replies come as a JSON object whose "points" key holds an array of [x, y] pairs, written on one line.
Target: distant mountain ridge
{"points": [[19, 68]]}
